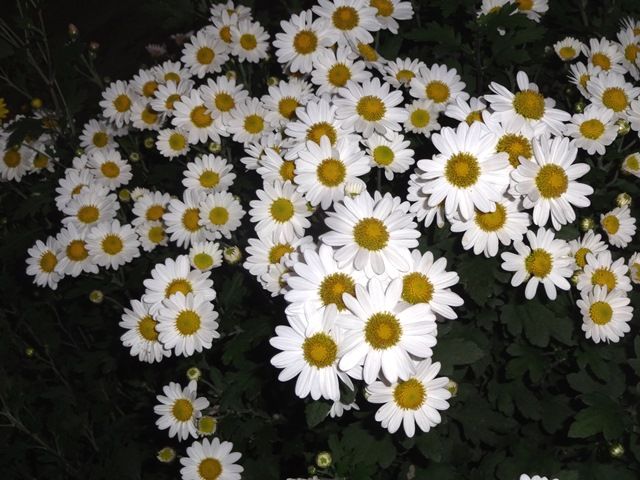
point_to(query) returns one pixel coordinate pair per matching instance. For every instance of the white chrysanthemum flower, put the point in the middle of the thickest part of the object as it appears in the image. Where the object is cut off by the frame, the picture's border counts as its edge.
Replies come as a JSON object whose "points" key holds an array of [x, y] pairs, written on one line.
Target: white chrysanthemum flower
{"points": [[211, 460], [338, 408], [145, 84], [420, 202], [168, 95], [274, 280], [97, 135], [545, 260], [466, 110], [209, 174], [221, 213], [171, 72], [416, 400], [248, 122], [280, 212], [591, 242], [612, 91], [176, 276], [152, 234], [144, 117], [42, 262], [634, 267], [283, 100], [204, 55], [311, 348], [117, 101], [112, 245], [438, 84], [141, 335], [630, 47], [150, 207], [581, 74], [172, 143], [250, 41], [605, 315], [548, 182], [265, 252], [631, 164], [256, 151], [605, 54], [15, 161], [183, 219], [109, 169], [221, 28], [205, 256], [332, 70], [192, 117], [74, 257], [179, 409], [593, 130], [389, 11], [422, 117], [533, 9], [389, 153], [372, 233], [485, 231], [488, 7], [217, 10], [466, 174], [91, 206], [322, 171], [511, 138], [187, 324], [352, 20], [528, 107], [619, 225], [381, 332], [221, 96], [568, 49], [399, 72], [273, 167], [601, 270]]}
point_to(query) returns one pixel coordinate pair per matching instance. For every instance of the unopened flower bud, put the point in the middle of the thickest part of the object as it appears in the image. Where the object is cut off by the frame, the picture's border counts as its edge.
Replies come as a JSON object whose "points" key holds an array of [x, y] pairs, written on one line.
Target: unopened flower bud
{"points": [[134, 157], [29, 352], [73, 31], [271, 81], [587, 223], [36, 103], [575, 277], [623, 199], [579, 106], [631, 164], [323, 459], [94, 46], [354, 188], [149, 142], [623, 127], [616, 450], [207, 425], [124, 195], [312, 470], [452, 387], [79, 152], [166, 455], [194, 373], [231, 75], [214, 147], [96, 296], [232, 255]]}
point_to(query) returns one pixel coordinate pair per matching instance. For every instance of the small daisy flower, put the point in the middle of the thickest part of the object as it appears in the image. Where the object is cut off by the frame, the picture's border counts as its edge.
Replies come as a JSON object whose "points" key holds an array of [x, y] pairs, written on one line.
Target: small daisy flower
{"points": [[179, 409], [248, 122], [389, 11], [150, 207], [152, 235], [91, 206], [422, 117], [581, 74], [42, 262], [591, 242], [315, 120], [601, 270], [438, 84], [633, 115], [186, 324], [338, 408], [265, 252], [546, 260], [352, 20], [256, 151], [208, 174], [605, 315], [466, 110], [171, 72], [283, 100], [74, 256], [144, 117], [592, 130], [97, 135], [221, 213], [389, 153], [568, 49], [14, 161], [533, 9], [332, 70], [210, 460], [117, 101], [400, 72], [630, 47], [605, 54], [204, 54], [619, 226], [611, 90], [631, 164], [141, 336], [416, 400], [274, 168], [512, 140], [221, 96], [205, 255], [145, 84], [487, 7], [192, 117], [109, 169], [172, 143], [221, 29], [250, 41], [217, 10], [168, 95], [112, 245], [183, 219]]}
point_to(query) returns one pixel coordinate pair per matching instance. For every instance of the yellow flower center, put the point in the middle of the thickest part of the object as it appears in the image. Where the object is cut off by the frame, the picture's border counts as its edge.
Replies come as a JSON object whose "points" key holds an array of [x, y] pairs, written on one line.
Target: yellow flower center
{"points": [[581, 256], [253, 124], [12, 158], [491, 221], [631, 52], [100, 139], [154, 213], [371, 234], [209, 178], [207, 425], [191, 219], [41, 161], [287, 170], [210, 469], [615, 99], [552, 181], [171, 99], [604, 277], [529, 104], [383, 155], [516, 146], [371, 108], [601, 60], [88, 214], [385, 7], [410, 394], [110, 169], [219, 216], [539, 263], [331, 172], [462, 170], [205, 55], [77, 189], [367, 52], [147, 328], [437, 91], [600, 313], [172, 77], [225, 34], [181, 285], [149, 115], [417, 288], [156, 234], [345, 18], [338, 75], [420, 118], [382, 330], [405, 76], [633, 163], [524, 5], [177, 141], [611, 224], [333, 286], [278, 251], [592, 129], [287, 107], [77, 250], [182, 410], [475, 116], [122, 103], [188, 322], [149, 88], [200, 117], [282, 210], [320, 350], [248, 41], [112, 244], [322, 129], [584, 79], [48, 261], [224, 102], [305, 42], [203, 261], [567, 53]]}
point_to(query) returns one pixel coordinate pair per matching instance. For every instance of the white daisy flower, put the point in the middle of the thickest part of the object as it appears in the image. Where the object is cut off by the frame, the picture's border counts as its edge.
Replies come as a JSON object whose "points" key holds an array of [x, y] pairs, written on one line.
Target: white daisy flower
{"points": [[97, 135], [168, 95], [466, 110], [74, 257], [248, 121], [630, 47], [438, 84], [548, 182], [42, 262], [144, 117], [109, 169], [209, 174], [221, 213], [141, 335], [591, 242], [593, 130], [568, 49], [466, 173], [605, 54], [204, 55], [186, 324], [250, 41], [512, 140], [112, 245], [605, 315], [545, 260], [634, 268], [420, 202], [172, 143], [581, 74], [389, 153], [205, 255], [256, 151], [283, 100], [399, 72], [265, 252], [389, 11], [274, 168], [619, 225], [338, 408], [274, 280], [117, 101], [145, 84], [222, 96], [601, 270], [209, 460], [91, 206], [488, 7], [183, 219], [422, 117], [150, 207], [416, 400], [631, 164], [221, 28], [612, 91], [179, 409], [381, 332], [176, 276], [151, 235], [15, 161], [533, 9], [332, 70], [192, 117], [528, 107], [322, 170], [280, 212], [217, 10], [372, 233], [352, 20], [171, 72]]}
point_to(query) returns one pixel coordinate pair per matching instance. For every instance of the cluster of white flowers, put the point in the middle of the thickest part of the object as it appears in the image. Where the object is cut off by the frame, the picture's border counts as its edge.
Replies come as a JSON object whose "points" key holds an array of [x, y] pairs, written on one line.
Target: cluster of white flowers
{"points": [[533, 9]]}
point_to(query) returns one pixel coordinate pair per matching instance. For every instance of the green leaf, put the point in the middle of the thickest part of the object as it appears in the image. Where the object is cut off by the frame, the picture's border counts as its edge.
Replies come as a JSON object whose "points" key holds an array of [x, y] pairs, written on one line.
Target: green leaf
{"points": [[316, 412], [602, 415]]}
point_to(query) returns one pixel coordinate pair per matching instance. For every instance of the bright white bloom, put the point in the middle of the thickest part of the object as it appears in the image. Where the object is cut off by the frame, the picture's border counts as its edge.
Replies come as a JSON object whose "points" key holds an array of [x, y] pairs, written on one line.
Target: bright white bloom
{"points": [[266, 252], [420, 202], [97, 135], [581, 74], [283, 100], [400, 72], [389, 153], [144, 117], [209, 460], [221, 96], [619, 225], [248, 122], [533, 9], [422, 117], [117, 101], [610, 90], [168, 95], [631, 164], [42, 262], [466, 110], [634, 268], [601, 270], [151, 235], [205, 256], [591, 242], [109, 169], [90, 207], [204, 55], [593, 130], [179, 410], [141, 335], [332, 70], [438, 84], [250, 41], [630, 47], [388, 11], [221, 213], [73, 182], [605, 315], [171, 72], [112, 245], [568, 48], [209, 174], [15, 161], [192, 117], [75, 257], [605, 54], [172, 143], [352, 20]]}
